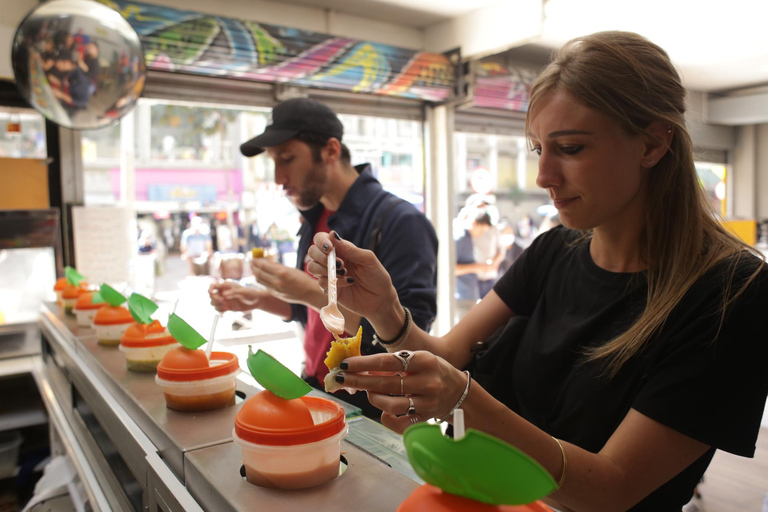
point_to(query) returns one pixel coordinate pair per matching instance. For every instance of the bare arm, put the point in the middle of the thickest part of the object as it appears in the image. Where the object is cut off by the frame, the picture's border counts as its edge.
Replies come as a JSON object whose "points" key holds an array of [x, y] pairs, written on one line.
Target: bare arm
{"points": [[638, 458], [455, 347]]}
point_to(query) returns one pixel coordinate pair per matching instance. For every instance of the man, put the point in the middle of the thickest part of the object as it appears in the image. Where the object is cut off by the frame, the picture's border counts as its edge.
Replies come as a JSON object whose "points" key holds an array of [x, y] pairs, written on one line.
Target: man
{"points": [[313, 167], [197, 247]]}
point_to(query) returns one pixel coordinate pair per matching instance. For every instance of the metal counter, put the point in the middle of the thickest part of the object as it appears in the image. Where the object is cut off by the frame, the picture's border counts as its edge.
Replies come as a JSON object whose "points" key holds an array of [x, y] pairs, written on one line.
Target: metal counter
{"points": [[153, 458]]}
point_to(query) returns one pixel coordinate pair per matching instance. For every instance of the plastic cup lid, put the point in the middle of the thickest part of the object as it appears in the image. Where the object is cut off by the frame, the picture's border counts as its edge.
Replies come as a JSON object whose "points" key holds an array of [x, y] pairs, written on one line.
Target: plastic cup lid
{"points": [[478, 466]]}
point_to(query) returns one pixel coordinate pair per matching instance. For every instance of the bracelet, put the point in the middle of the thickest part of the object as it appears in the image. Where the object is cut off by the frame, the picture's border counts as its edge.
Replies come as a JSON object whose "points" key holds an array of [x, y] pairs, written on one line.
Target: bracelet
{"points": [[397, 340], [463, 396], [565, 463]]}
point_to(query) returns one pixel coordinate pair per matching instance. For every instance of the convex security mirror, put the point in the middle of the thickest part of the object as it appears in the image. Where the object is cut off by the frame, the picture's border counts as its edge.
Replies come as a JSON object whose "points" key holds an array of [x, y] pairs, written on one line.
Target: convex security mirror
{"points": [[79, 63]]}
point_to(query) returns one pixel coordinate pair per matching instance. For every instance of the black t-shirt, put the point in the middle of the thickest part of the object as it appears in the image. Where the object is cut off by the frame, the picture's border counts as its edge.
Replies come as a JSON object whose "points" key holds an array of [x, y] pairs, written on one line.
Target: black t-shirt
{"points": [[707, 385], [93, 68]]}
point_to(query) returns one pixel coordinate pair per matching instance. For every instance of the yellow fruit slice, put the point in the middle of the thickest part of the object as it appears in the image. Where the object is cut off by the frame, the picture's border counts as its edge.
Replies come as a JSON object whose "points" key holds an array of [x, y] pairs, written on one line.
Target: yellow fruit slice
{"points": [[257, 252], [343, 348]]}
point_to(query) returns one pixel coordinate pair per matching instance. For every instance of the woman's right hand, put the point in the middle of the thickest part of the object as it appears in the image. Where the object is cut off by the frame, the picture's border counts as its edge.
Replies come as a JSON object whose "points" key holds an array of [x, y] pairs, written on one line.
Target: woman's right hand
{"points": [[364, 286]]}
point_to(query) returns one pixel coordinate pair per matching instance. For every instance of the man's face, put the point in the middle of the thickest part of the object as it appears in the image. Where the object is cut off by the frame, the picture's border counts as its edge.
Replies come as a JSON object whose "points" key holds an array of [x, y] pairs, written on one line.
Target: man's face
{"points": [[302, 179], [92, 49]]}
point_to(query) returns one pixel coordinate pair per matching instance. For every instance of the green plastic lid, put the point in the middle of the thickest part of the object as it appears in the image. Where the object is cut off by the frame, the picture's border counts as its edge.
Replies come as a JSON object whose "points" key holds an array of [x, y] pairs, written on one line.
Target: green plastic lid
{"points": [[478, 466], [275, 377], [73, 276], [141, 308], [185, 333], [111, 296]]}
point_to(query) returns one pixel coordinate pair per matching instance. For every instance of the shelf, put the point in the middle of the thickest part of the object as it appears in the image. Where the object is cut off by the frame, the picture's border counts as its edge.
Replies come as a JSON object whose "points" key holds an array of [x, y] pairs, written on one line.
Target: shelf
{"points": [[21, 405]]}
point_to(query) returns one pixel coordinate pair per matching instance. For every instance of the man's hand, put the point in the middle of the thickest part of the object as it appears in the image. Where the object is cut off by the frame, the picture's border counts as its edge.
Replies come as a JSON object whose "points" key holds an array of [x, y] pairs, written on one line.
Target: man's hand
{"points": [[230, 296], [288, 284]]}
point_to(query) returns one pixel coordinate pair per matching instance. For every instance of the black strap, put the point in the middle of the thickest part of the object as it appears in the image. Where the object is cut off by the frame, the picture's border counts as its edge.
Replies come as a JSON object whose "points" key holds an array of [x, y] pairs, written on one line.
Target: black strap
{"points": [[374, 238]]}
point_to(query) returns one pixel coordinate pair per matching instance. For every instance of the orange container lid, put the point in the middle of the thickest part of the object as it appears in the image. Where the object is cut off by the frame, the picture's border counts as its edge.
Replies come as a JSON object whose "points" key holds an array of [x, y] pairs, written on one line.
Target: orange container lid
{"points": [[428, 498], [61, 283], [72, 292], [112, 315], [85, 302], [248, 429], [146, 335], [183, 364]]}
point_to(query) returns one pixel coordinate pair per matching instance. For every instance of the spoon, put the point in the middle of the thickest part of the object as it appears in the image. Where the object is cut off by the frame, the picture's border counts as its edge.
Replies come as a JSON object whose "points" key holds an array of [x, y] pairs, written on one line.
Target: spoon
{"points": [[330, 314]]}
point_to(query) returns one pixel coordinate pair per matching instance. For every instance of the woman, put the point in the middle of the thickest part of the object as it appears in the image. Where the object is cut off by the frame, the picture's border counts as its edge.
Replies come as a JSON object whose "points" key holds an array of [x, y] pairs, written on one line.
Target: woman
{"points": [[643, 353]]}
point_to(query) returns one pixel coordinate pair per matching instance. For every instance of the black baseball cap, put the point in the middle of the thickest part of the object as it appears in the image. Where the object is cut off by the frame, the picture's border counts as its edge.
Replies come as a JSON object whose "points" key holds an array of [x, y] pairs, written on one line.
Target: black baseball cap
{"points": [[292, 117]]}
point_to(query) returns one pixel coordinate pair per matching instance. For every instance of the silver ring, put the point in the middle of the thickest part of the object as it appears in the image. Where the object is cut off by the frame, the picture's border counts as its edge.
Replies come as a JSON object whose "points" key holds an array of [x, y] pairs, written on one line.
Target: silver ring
{"points": [[405, 357], [411, 409], [413, 419], [401, 384]]}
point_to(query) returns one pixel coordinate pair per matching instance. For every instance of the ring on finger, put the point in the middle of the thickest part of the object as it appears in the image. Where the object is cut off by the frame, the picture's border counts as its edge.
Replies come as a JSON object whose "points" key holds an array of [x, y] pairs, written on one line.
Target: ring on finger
{"points": [[405, 357], [413, 419], [411, 408], [401, 384]]}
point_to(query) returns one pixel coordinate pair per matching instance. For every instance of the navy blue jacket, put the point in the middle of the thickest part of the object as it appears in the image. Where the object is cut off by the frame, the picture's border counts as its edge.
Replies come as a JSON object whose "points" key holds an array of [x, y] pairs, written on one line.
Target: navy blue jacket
{"points": [[408, 247]]}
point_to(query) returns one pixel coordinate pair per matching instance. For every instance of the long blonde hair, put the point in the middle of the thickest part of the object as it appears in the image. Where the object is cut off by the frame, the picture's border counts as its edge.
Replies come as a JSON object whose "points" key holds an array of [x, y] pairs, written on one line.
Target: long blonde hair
{"points": [[631, 80]]}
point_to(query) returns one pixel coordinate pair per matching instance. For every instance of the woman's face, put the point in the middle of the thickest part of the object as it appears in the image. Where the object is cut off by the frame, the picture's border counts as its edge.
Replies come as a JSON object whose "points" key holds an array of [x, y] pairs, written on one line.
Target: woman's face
{"points": [[591, 168]]}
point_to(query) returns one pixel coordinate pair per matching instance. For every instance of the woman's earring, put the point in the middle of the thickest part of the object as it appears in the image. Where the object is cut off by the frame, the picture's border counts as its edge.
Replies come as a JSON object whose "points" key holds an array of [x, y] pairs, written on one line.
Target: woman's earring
{"points": [[649, 163]]}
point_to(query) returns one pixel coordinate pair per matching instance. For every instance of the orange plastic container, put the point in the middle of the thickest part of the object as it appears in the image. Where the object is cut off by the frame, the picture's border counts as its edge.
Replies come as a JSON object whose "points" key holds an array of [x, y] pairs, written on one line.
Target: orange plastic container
{"points": [[145, 345], [428, 498], [61, 283], [110, 322], [69, 297], [192, 384], [290, 444], [85, 309]]}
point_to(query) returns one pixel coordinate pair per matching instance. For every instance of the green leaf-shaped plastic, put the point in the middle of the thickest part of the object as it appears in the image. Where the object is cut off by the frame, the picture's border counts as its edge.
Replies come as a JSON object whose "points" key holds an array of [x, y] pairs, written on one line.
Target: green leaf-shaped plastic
{"points": [[111, 296], [73, 276], [275, 377], [184, 333], [141, 308], [97, 298], [478, 466]]}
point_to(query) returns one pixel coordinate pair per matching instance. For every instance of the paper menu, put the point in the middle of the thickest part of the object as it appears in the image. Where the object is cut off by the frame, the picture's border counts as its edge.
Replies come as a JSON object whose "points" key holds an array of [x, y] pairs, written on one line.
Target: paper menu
{"points": [[104, 243]]}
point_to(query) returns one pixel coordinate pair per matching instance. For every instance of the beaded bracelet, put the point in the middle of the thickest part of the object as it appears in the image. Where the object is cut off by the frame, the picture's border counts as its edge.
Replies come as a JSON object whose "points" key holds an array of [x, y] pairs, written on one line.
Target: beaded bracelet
{"points": [[463, 396], [391, 344]]}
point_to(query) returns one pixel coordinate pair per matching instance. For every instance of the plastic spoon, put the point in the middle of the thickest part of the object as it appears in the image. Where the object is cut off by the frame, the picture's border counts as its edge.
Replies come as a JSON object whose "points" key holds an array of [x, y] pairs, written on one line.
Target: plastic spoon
{"points": [[330, 314], [209, 346]]}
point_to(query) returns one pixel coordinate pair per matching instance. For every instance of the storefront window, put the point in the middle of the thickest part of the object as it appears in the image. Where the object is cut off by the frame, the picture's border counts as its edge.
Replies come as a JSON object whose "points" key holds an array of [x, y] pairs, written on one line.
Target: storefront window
{"points": [[712, 179], [22, 134], [187, 169], [500, 210]]}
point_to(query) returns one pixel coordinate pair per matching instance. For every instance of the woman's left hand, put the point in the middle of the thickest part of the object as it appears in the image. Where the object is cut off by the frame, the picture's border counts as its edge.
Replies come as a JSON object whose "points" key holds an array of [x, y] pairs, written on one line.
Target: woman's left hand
{"points": [[407, 386]]}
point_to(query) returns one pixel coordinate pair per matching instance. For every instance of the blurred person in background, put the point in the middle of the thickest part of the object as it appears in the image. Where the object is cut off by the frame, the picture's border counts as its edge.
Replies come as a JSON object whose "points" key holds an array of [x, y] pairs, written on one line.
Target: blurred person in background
{"points": [[197, 246]]}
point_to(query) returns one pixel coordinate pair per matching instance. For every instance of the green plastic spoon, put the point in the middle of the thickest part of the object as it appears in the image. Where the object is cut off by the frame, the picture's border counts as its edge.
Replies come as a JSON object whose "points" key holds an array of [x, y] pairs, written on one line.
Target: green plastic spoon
{"points": [[275, 377], [478, 466], [141, 308]]}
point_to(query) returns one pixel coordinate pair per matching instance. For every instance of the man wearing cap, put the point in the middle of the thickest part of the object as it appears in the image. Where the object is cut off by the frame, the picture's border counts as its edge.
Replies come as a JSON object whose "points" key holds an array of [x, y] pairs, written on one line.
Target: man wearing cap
{"points": [[314, 169]]}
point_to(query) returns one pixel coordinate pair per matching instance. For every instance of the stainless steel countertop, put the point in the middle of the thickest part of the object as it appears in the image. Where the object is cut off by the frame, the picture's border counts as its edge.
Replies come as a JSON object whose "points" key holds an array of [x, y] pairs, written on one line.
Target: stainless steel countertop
{"points": [[213, 479], [198, 447]]}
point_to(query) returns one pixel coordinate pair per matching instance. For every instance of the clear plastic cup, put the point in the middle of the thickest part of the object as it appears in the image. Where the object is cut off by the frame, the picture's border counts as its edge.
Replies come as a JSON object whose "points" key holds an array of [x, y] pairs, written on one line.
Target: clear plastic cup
{"points": [[110, 323], [145, 359], [294, 458], [199, 389], [110, 334], [85, 317], [145, 345]]}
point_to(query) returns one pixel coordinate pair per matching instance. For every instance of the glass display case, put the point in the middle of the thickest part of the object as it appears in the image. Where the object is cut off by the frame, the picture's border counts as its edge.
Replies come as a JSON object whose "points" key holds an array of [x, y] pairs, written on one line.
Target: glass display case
{"points": [[30, 254]]}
